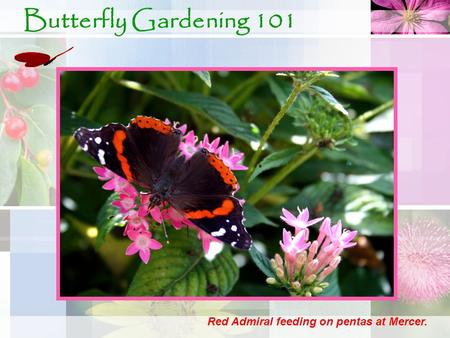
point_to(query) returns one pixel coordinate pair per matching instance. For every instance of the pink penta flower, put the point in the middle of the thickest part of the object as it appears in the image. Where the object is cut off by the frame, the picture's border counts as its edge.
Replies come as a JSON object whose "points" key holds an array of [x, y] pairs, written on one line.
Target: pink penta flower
{"points": [[206, 240], [410, 16], [233, 160], [300, 222], [341, 238], [423, 261], [125, 203], [177, 219], [294, 245], [135, 223], [213, 146], [114, 182], [188, 145], [142, 243]]}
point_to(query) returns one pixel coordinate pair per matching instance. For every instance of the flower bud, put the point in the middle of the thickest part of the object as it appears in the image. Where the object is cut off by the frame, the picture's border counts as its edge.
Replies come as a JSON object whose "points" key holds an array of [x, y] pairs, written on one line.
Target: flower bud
{"points": [[279, 260], [273, 264], [271, 281], [324, 285], [280, 273], [317, 290], [308, 294], [296, 285], [309, 279]]}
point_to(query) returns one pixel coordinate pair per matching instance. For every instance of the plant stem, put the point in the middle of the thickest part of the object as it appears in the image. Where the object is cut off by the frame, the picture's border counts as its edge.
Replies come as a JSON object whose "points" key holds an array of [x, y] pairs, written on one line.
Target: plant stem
{"points": [[374, 112], [251, 82], [284, 109], [282, 173]]}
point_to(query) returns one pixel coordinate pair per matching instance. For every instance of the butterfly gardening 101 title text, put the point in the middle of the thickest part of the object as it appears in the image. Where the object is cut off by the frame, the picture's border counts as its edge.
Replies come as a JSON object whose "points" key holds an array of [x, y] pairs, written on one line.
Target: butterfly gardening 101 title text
{"points": [[148, 20]]}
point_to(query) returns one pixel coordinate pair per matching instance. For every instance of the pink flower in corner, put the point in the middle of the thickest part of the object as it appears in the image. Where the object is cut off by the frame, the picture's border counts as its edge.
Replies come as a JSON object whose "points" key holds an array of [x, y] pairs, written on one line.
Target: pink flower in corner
{"points": [[410, 17], [423, 261], [142, 243], [300, 222]]}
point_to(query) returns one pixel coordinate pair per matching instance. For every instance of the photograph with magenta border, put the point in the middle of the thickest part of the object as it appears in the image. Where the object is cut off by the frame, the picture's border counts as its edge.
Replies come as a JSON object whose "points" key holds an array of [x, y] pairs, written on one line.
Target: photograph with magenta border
{"points": [[235, 183]]}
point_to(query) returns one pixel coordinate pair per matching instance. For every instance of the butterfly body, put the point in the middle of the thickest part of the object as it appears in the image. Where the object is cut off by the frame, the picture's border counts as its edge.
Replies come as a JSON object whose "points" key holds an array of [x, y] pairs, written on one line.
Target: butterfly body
{"points": [[146, 153]]}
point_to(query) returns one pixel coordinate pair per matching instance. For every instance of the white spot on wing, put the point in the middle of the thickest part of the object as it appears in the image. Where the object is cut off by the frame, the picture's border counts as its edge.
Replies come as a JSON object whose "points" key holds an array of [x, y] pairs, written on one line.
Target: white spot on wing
{"points": [[219, 233], [101, 156], [85, 147], [234, 228], [233, 244], [98, 140]]}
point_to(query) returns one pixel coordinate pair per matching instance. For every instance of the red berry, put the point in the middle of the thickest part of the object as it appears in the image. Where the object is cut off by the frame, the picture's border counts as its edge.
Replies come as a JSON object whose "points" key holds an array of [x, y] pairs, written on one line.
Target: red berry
{"points": [[16, 127], [29, 76], [11, 82]]}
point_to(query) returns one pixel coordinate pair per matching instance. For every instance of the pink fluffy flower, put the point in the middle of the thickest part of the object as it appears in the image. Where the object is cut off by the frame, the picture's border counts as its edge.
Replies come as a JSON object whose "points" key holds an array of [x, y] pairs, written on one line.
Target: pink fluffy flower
{"points": [[423, 261], [410, 16], [233, 160], [142, 243], [300, 222]]}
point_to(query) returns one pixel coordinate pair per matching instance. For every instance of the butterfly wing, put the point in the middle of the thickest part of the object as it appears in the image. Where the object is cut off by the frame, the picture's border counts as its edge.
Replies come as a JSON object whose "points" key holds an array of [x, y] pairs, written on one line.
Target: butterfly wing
{"points": [[32, 59], [138, 152], [203, 192]]}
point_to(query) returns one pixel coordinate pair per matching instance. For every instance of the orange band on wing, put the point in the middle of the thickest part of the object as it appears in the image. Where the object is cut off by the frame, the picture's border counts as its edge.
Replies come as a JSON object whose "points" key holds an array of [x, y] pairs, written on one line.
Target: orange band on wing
{"points": [[153, 123], [225, 209], [119, 137], [225, 172]]}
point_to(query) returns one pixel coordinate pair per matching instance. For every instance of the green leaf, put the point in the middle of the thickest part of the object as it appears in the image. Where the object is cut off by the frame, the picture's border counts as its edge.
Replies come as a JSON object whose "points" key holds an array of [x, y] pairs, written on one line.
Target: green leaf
{"points": [[274, 160], [180, 269], [34, 186], [71, 122], [214, 109], [383, 185], [343, 88], [40, 136], [107, 219], [364, 154], [363, 281], [254, 217], [333, 290], [204, 76], [10, 150], [281, 89], [329, 98], [261, 261]]}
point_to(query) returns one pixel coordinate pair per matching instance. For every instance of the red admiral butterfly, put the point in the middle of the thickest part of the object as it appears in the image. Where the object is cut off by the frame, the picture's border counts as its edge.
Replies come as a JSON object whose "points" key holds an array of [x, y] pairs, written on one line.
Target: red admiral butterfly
{"points": [[146, 153]]}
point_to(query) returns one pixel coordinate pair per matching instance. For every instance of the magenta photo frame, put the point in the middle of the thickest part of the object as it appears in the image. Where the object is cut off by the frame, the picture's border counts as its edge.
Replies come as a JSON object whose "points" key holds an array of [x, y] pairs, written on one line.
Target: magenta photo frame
{"points": [[394, 297]]}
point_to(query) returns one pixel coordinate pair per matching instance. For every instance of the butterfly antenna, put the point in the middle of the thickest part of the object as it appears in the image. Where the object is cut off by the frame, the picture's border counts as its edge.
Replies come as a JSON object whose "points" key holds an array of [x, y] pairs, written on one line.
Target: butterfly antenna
{"points": [[165, 231]]}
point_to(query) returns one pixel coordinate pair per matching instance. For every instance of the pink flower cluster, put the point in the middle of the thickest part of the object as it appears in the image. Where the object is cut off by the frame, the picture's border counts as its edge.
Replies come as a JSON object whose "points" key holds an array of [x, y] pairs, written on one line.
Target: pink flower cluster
{"points": [[306, 264], [135, 206], [410, 17]]}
